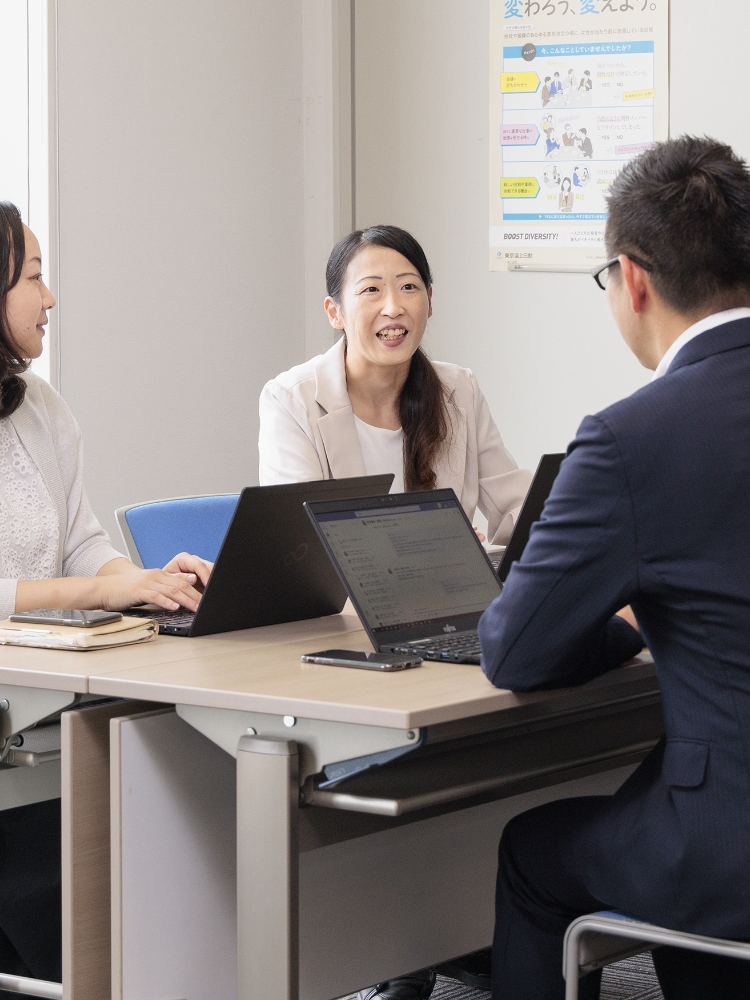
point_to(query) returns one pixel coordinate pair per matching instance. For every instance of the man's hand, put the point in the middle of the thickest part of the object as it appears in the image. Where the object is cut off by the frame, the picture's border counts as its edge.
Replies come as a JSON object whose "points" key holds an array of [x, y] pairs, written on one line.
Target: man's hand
{"points": [[627, 614]]}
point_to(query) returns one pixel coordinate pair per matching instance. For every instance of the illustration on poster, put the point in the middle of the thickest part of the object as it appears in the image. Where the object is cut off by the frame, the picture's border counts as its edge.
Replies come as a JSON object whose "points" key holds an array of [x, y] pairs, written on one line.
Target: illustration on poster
{"points": [[578, 88], [566, 195], [611, 122]]}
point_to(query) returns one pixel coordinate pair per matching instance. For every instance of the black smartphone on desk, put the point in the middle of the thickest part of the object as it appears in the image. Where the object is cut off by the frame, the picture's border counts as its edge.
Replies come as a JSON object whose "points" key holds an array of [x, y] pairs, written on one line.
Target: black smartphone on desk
{"points": [[67, 616], [366, 661]]}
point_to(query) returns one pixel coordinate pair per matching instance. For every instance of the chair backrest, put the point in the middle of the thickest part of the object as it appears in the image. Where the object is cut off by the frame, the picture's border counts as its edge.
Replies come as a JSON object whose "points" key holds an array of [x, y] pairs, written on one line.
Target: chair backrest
{"points": [[155, 532]]}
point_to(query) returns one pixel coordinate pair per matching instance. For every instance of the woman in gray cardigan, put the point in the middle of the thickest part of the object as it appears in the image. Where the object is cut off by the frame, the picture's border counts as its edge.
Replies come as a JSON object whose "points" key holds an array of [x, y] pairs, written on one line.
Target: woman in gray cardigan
{"points": [[53, 553]]}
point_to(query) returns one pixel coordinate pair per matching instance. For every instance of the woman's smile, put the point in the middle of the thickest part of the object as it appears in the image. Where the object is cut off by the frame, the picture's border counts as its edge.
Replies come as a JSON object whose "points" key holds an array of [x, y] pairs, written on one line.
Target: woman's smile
{"points": [[392, 336]]}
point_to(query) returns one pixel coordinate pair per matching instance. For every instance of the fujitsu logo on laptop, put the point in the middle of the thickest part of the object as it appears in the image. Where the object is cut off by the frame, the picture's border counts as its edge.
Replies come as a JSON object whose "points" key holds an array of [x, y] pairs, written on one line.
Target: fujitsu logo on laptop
{"points": [[449, 628]]}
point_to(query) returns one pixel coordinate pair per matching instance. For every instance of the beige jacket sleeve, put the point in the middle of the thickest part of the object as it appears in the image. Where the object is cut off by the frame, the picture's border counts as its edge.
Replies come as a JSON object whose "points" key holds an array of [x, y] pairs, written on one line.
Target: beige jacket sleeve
{"points": [[286, 443], [502, 486]]}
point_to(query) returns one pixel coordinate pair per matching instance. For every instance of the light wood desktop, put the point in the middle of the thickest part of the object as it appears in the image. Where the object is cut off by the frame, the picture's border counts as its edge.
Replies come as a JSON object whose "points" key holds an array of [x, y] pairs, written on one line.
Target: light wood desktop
{"points": [[335, 888]]}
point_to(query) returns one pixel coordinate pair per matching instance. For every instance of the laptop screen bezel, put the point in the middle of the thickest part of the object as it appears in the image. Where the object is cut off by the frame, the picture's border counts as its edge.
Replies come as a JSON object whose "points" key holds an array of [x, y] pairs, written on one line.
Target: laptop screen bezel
{"points": [[544, 478], [398, 635]]}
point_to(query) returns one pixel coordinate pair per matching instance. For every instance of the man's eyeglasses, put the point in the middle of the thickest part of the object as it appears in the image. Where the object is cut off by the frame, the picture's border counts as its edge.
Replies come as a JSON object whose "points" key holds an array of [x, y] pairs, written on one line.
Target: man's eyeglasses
{"points": [[600, 273]]}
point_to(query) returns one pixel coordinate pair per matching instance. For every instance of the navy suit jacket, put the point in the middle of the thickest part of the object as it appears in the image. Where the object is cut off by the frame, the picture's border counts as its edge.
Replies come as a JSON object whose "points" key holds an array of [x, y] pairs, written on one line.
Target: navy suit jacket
{"points": [[652, 508]]}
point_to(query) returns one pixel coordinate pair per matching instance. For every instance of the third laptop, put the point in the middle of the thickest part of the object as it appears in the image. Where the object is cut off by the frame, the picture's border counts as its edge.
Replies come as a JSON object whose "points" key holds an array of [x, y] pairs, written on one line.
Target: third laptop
{"points": [[415, 569]]}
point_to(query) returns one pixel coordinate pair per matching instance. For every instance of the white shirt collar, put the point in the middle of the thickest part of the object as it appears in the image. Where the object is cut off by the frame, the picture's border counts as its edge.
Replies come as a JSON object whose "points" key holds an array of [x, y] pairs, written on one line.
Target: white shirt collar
{"points": [[707, 323]]}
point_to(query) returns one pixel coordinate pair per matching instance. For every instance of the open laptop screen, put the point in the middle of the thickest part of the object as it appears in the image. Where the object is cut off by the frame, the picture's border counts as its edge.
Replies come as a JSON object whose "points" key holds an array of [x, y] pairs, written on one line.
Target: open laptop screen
{"points": [[412, 561]]}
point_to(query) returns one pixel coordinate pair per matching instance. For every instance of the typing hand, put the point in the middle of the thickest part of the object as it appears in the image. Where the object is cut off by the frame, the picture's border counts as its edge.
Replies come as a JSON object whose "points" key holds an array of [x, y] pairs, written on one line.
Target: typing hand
{"points": [[170, 590], [186, 563]]}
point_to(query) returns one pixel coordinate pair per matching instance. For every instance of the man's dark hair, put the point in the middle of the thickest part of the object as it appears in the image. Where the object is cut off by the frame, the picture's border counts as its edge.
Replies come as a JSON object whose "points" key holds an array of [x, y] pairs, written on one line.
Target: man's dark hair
{"points": [[684, 207], [584, 131]]}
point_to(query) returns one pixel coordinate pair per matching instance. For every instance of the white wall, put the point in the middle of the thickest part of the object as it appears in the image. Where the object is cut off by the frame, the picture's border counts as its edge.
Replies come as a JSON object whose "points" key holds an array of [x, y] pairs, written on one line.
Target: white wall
{"points": [[181, 235], [203, 176], [543, 346]]}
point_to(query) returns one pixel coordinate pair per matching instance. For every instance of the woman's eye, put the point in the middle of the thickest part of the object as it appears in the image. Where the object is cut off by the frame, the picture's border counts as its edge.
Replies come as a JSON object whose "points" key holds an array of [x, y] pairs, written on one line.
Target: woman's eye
{"points": [[410, 286], [372, 288]]}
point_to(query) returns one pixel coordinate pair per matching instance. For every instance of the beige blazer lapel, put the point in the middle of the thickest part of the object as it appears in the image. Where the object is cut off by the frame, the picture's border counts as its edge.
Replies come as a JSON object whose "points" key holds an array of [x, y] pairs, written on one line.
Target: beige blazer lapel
{"points": [[451, 467], [341, 443], [336, 427]]}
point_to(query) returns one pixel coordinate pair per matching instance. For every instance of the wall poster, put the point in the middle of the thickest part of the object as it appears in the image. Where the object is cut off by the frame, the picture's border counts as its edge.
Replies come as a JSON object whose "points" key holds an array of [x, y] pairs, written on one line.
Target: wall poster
{"points": [[577, 88]]}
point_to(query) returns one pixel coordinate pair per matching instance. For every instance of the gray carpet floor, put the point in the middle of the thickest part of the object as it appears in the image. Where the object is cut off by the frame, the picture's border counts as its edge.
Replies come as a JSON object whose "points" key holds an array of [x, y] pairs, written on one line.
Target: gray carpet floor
{"points": [[633, 979]]}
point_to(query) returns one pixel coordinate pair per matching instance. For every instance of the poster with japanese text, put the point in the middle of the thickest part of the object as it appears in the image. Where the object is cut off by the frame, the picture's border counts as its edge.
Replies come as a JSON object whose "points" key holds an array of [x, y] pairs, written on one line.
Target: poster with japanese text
{"points": [[577, 88]]}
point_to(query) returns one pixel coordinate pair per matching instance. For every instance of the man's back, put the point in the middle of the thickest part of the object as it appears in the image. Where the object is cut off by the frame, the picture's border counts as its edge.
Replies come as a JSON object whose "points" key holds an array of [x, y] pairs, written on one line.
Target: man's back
{"points": [[650, 510], [657, 490]]}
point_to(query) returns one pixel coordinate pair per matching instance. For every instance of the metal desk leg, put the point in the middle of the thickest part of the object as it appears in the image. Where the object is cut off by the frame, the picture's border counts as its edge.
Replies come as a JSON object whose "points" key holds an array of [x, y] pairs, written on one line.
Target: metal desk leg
{"points": [[267, 869]]}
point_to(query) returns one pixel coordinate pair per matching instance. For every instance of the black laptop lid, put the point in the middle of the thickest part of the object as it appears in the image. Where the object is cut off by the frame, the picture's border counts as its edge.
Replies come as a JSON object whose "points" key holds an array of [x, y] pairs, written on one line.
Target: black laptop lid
{"points": [[271, 567], [412, 563], [541, 485]]}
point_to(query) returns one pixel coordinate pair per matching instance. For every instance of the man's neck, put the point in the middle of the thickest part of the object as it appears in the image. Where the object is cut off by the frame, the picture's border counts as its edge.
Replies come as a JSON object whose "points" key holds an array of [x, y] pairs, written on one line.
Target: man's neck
{"points": [[671, 324]]}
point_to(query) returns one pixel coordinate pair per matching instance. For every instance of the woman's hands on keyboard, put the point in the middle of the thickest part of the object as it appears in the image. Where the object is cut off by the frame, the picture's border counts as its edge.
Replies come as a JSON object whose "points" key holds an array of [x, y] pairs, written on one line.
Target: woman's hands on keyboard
{"points": [[185, 563], [179, 585]]}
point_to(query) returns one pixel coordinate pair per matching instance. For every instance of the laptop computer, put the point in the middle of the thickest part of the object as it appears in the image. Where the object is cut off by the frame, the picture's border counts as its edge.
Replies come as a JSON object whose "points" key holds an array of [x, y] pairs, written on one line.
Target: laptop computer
{"points": [[414, 568], [271, 568], [541, 486]]}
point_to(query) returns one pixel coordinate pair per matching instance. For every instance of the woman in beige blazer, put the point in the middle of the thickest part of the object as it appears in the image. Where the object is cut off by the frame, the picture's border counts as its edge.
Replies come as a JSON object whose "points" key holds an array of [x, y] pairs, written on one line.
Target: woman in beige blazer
{"points": [[375, 403], [320, 420]]}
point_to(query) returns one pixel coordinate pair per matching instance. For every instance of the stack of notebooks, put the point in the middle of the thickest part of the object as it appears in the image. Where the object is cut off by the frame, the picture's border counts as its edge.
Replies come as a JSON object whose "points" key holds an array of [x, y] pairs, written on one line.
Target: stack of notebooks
{"points": [[47, 636]]}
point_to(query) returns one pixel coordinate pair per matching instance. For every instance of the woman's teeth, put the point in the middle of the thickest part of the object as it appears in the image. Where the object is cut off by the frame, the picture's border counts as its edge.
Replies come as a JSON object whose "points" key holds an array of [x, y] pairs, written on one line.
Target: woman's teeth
{"points": [[391, 334]]}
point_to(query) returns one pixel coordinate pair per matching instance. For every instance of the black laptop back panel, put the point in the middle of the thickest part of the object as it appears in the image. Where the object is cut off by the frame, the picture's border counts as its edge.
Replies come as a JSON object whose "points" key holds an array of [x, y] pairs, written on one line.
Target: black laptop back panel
{"points": [[412, 563], [541, 485], [271, 567]]}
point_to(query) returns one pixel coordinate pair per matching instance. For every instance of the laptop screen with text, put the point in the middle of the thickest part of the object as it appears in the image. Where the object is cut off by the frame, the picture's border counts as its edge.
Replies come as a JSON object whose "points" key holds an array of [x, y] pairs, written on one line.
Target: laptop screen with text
{"points": [[409, 564]]}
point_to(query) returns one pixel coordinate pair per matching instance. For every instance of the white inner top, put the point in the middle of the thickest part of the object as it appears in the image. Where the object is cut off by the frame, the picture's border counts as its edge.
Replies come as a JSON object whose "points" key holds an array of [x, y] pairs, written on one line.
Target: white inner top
{"points": [[28, 519], [382, 451]]}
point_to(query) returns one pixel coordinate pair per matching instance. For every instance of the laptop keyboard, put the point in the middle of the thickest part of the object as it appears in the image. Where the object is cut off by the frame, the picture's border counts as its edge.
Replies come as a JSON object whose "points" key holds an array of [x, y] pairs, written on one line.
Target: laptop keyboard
{"points": [[462, 647], [177, 619]]}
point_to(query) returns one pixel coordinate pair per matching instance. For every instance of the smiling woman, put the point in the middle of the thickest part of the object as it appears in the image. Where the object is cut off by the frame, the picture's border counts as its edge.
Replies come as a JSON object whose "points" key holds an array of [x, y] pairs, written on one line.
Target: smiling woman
{"points": [[375, 403], [53, 553]]}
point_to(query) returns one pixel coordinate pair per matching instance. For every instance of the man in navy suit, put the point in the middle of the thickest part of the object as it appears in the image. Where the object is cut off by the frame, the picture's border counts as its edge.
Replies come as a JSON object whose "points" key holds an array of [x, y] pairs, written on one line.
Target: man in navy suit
{"points": [[651, 510]]}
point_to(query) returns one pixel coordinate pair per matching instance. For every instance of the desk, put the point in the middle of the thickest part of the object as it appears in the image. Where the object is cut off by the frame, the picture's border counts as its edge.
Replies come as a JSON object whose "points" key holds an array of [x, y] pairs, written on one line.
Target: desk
{"points": [[390, 872]]}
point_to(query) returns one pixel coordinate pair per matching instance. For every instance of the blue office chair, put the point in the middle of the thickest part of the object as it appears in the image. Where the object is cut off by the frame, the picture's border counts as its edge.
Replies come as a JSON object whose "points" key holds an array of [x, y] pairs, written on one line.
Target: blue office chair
{"points": [[600, 939], [155, 532]]}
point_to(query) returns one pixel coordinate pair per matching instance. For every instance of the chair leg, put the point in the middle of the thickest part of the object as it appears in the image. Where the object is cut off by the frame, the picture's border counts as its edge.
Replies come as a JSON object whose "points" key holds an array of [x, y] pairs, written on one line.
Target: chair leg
{"points": [[32, 987], [570, 964]]}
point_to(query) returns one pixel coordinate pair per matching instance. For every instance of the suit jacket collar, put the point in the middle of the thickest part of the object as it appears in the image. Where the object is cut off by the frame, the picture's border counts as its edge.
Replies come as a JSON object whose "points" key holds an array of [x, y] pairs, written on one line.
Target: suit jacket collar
{"points": [[336, 426], [727, 337]]}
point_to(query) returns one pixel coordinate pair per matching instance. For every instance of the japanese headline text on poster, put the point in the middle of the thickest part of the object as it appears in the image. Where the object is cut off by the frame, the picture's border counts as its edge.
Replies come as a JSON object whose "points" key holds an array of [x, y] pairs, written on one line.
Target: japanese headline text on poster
{"points": [[577, 88]]}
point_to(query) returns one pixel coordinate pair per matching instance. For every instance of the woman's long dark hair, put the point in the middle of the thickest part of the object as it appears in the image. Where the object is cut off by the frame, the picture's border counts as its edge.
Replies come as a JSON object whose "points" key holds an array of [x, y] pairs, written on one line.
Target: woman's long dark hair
{"points": [[422, 405], [12, 254]]}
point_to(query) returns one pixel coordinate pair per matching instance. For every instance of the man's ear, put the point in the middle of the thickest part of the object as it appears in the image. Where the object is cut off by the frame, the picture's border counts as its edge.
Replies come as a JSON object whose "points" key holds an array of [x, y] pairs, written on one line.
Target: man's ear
{"points": [[637, 283], [333, 312]]}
